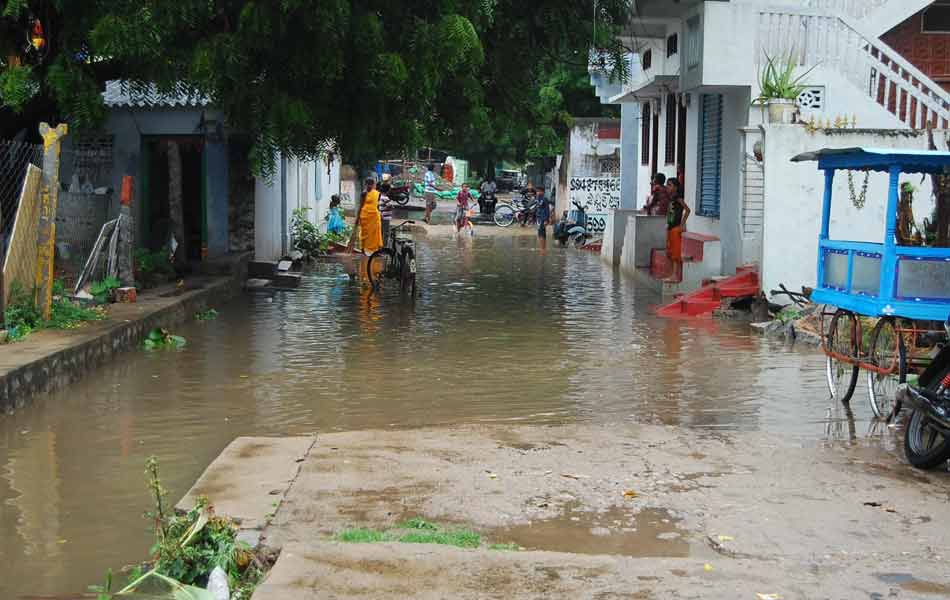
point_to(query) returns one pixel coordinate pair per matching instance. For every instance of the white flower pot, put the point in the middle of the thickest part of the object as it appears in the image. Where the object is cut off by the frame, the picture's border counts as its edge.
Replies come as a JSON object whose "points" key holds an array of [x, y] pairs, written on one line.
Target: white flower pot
{"points": [[781, 110]]}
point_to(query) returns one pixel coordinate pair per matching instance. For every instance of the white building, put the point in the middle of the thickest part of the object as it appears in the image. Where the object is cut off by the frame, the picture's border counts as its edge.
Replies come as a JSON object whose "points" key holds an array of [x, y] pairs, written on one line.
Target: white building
{"points": [[296, 184], [589, 170], [690, 102]]}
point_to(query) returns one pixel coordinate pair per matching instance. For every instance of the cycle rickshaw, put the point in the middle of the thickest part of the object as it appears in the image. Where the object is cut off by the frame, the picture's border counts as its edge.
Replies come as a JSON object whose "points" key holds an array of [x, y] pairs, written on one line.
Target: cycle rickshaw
{"points": [[883, 303]]}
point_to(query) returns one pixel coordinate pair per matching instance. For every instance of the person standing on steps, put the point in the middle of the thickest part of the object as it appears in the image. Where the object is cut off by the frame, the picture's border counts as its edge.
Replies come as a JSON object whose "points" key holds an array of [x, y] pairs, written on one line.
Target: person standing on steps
{"points": [[658, 202], [428, 182], [676, 218]]}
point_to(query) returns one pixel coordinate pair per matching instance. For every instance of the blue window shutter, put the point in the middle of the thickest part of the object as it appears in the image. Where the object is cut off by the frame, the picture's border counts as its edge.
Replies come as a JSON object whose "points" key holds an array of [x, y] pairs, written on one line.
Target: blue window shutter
{"points": [[710, 156]]}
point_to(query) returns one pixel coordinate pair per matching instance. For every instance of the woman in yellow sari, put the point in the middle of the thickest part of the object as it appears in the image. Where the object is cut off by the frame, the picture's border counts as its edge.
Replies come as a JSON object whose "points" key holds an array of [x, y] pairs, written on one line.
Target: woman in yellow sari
{"points": [[369, 222]]}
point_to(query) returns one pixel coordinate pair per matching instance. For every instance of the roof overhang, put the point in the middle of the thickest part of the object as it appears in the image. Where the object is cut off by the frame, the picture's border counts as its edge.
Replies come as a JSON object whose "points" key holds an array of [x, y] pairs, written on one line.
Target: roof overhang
{"points": [[878, 159], [654, 87]]}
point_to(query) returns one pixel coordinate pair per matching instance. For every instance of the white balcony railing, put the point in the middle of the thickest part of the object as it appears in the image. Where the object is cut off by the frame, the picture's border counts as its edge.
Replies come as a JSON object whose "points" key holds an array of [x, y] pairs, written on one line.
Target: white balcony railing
{"points": [[881, 72], [856, 9]]}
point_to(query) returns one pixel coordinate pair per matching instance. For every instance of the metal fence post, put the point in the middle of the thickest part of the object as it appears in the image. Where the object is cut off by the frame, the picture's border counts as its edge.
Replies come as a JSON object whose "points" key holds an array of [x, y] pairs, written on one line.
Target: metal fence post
{"points": [[49, 196]]}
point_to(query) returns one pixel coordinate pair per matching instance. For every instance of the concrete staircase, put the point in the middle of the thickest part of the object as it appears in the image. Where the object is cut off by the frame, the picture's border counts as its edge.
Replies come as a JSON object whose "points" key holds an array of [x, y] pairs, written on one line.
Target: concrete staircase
{"points": [[842, 42], [709, 297]]}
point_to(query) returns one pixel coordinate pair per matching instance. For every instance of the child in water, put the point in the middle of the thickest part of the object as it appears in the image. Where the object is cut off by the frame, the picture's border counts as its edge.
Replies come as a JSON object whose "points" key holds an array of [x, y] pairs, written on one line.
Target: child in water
{"points": [[335, 222]]}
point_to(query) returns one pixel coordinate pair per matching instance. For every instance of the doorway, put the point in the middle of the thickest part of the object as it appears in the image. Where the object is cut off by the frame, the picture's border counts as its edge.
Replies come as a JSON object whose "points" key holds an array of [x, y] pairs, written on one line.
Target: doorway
{"points": [[157, 186]]}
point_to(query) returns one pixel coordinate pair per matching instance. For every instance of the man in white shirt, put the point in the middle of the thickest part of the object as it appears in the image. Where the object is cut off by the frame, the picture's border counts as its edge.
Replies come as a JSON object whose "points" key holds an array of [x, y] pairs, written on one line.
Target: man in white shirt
{"points": [[430, 190]]}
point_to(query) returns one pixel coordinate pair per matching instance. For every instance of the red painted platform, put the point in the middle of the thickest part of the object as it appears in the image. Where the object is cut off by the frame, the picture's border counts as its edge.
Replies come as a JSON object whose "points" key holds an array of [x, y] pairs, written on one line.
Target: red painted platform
{"points": [[709, 297]]}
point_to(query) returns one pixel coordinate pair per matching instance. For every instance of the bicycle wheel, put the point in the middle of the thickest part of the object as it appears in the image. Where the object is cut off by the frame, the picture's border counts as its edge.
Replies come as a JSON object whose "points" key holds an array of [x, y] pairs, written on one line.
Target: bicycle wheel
{"points": [[408, 274], [381, 264], [504, 215], [842, 343], [886, 350]]}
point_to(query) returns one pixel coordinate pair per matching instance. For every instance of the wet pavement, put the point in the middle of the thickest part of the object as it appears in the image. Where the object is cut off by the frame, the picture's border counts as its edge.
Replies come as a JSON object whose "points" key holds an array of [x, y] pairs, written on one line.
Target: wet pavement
{"points": [[503, 332]]}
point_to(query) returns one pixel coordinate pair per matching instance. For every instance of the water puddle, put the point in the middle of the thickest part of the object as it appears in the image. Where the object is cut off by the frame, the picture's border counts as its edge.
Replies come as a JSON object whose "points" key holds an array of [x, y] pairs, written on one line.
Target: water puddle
{"points": [[650, 532], [908, 582]]}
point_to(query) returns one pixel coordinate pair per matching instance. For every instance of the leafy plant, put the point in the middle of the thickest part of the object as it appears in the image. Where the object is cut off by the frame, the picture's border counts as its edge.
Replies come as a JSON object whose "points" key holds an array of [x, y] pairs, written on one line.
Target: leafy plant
{"points": [[102, 290], [778, 80], [209, 314], [307, 237], [160, 338], [22, 317]]}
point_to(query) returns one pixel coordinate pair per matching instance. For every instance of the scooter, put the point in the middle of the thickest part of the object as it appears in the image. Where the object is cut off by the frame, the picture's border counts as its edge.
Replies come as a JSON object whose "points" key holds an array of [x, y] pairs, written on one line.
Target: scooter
{"points": [[487, 202], [573, 227], [927, 435]]}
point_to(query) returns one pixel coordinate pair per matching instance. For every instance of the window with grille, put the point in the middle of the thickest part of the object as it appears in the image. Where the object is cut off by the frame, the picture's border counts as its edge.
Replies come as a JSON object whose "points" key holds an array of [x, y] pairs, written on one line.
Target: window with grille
{"points": [[645, 115], [647, 60], [693, 52], [936, 18], [672, 45], [672, 106]]}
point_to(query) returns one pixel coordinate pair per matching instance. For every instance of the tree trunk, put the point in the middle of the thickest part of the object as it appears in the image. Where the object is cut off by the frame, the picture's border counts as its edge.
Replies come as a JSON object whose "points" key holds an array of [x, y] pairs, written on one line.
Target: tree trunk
{"points": [[176, 215]]}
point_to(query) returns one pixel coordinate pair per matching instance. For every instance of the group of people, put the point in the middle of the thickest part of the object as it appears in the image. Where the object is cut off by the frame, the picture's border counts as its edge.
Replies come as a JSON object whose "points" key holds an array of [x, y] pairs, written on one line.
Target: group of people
{"points": [[666, 199]]}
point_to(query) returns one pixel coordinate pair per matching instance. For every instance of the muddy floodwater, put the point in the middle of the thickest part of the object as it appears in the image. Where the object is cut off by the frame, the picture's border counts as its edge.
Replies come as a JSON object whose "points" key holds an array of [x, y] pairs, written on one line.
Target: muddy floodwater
{"points": [[502, 332]]}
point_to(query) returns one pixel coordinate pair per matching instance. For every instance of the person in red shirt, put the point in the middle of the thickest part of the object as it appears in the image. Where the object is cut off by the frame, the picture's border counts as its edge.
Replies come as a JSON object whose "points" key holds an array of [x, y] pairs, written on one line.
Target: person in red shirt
{"points": [[658, 204], [462, 201]]}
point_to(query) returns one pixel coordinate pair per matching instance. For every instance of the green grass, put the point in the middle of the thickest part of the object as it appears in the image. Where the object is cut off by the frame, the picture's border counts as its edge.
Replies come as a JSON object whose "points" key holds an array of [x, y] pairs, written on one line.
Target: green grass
{"points": [[509, 547], [419, 531]]}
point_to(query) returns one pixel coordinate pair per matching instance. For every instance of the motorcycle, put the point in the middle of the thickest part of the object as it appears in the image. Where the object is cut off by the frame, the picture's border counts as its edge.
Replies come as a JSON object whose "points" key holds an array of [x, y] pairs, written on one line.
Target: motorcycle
{"points": [[401, 194], [573, 228], [927, 435], [487, 202]]}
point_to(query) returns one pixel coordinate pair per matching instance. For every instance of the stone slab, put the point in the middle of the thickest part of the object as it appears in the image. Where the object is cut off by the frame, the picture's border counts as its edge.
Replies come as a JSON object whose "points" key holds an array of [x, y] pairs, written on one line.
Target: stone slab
{"points": [[248, 480]]}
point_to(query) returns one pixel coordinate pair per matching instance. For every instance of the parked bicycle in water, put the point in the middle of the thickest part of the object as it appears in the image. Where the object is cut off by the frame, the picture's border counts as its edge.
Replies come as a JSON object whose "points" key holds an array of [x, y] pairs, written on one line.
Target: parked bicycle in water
{"points": [[395, 260]]}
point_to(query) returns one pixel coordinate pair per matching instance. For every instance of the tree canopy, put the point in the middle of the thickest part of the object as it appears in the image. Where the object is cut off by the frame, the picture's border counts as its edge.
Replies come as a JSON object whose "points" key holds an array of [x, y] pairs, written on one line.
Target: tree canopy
{"points": [[493, 78]]}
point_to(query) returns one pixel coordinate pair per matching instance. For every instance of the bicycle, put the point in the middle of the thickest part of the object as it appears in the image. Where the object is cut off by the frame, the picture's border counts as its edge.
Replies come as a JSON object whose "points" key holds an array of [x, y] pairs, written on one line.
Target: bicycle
{"points": [[396, 260], [507, 213]]}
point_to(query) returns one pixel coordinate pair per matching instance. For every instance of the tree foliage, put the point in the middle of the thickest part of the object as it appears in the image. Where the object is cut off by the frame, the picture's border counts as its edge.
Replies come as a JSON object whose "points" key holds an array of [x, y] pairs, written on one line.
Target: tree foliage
{"points": [[495, 78]]}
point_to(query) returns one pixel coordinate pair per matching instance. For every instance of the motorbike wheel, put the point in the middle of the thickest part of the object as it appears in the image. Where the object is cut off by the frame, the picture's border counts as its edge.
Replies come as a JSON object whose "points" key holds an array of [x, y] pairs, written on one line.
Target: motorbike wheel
{"points": [[925, 445], [382, 263], [401, 199], [579, 240], [504, 215]]}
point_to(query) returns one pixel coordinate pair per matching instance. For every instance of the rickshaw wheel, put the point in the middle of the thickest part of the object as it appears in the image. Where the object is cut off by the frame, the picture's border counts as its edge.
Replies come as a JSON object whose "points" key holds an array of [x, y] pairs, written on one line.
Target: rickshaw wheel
{"points": [[887, 350], [842, 340]]}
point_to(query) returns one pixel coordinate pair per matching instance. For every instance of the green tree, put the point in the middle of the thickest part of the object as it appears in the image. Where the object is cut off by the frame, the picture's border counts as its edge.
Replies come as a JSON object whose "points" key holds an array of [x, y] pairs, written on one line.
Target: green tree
{"points": [[375, 77]]}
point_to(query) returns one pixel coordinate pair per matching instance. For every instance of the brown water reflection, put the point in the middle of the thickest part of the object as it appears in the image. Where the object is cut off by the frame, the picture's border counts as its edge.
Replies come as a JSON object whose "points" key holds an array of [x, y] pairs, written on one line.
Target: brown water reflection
{"points": [[501, 332]]}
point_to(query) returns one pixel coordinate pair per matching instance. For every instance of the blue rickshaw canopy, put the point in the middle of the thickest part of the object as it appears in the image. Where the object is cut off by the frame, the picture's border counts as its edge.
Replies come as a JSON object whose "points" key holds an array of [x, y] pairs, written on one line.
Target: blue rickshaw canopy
{"points": [[878, 159]]}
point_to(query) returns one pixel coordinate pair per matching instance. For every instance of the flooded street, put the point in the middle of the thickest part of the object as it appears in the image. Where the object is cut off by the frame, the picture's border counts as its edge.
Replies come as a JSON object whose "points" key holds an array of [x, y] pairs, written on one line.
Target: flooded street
{"points": [[502, 332]]}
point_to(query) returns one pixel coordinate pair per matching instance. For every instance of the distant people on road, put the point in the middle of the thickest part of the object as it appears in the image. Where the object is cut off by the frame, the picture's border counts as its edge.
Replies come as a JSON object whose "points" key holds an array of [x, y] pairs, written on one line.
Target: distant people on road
{"points": [[368, 220], [658, 203], [462, 203], [543, 214], [385, 206], [335, 222], [676, 218], [428, 182]]}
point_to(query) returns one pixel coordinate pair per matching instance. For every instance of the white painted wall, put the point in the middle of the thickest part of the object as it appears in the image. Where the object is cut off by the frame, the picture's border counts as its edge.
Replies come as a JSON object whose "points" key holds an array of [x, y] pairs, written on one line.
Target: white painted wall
{"points": [[583, 157], [793, 196], [306, 184]]}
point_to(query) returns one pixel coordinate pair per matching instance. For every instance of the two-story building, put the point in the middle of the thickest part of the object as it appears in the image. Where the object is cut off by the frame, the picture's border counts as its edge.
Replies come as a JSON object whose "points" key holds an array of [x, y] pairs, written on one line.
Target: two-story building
{"points": [[869, 66]]}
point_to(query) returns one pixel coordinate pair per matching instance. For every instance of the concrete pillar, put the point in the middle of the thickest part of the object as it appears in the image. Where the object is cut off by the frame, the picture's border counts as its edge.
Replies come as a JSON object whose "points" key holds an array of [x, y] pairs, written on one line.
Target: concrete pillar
{"points": [[615, 233], [216, 180], [629, 153], [46, 239]]}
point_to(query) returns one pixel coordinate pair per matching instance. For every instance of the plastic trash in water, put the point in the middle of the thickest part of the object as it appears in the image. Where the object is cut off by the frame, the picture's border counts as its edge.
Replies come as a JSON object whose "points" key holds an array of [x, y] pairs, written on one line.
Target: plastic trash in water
{"points": [[218, 584]]}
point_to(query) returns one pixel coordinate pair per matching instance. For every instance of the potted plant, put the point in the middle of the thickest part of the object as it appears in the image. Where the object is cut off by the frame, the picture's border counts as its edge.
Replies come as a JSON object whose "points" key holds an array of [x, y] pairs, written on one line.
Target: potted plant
{"points": [[780, 87]]}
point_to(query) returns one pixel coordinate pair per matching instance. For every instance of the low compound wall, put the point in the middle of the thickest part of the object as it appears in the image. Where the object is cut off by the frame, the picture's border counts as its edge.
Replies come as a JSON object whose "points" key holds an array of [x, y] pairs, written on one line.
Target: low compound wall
{"points": [[50, 360]]}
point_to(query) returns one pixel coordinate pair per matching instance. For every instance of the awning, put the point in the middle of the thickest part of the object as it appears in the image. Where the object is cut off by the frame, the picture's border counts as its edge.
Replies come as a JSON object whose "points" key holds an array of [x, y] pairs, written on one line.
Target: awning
{"points": [[878, 159], [654, 87]]}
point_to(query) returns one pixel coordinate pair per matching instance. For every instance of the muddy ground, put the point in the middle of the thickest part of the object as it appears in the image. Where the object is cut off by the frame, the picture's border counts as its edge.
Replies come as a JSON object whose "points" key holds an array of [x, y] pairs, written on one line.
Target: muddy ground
{"points": [[603, 512]]}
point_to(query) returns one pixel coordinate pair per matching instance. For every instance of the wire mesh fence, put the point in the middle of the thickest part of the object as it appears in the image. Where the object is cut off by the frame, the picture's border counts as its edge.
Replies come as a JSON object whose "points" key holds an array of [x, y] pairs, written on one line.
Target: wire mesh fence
{"points": [[15, 157]]}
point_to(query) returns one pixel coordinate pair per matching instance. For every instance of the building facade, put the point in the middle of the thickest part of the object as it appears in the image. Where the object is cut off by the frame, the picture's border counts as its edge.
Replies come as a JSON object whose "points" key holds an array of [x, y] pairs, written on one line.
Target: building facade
{"points": [[698, 76]]}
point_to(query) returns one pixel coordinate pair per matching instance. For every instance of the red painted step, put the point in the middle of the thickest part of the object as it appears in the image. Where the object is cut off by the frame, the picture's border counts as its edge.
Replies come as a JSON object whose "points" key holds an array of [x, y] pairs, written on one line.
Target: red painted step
{"points": [[709, 297]]}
